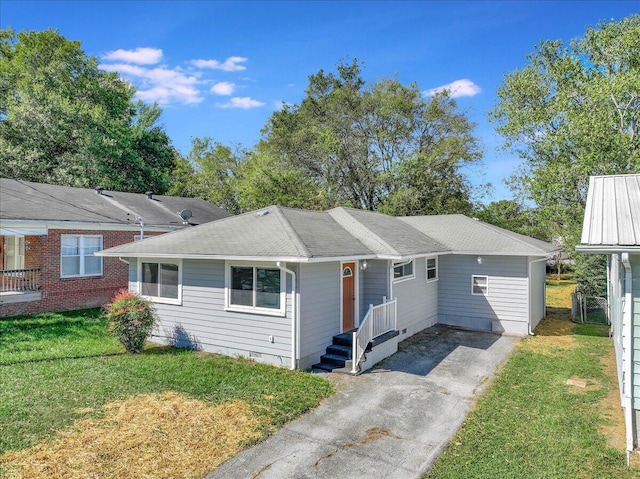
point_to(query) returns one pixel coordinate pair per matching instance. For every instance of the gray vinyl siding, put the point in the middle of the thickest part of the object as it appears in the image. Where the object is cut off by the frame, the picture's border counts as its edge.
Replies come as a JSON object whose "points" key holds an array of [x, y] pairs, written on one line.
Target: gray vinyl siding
{"points": [[537, 278], [635, 387], [374, 285], [417, 301], [504, 309], [201, 321], [319, 309]]}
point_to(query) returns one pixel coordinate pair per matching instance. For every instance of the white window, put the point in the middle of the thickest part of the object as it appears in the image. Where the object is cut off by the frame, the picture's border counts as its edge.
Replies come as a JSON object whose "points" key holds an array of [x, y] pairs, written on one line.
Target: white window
{"points": [[13, 252], [480, 285], [160, 281], [432, 269], [77, 256], [403, 270], [255, 288]]}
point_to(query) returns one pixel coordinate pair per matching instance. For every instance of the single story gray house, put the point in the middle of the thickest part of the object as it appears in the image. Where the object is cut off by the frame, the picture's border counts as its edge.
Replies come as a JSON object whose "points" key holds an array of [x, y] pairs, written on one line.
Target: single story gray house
{"points": [[612, 227], [334, 289]]}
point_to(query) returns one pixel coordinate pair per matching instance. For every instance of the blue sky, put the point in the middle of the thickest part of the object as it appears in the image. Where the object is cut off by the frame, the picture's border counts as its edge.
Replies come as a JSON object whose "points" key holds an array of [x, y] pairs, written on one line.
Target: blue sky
{"points": [[220, 69]]}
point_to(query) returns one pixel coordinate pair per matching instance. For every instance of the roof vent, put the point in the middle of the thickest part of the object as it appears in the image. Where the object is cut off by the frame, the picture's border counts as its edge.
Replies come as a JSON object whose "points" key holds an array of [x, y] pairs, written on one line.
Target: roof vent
{"points": [[149, 194], [99, 190], [262, 213], [185, 215]]}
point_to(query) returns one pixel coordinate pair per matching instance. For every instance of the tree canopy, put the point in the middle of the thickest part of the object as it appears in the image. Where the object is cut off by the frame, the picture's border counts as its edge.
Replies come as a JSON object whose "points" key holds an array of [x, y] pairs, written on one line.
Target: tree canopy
{"points": [[573, 111], [380, 146], [65, 121]]}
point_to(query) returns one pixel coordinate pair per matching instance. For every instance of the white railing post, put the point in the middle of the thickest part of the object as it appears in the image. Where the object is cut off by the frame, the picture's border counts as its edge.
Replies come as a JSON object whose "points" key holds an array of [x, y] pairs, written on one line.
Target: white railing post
{"points": [[395, 314], [354, 353]]}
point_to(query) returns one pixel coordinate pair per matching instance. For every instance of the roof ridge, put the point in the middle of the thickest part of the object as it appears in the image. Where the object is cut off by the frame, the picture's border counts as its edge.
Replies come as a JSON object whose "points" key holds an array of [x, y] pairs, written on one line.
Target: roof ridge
{"points": [[291, 232], [373, 236]]}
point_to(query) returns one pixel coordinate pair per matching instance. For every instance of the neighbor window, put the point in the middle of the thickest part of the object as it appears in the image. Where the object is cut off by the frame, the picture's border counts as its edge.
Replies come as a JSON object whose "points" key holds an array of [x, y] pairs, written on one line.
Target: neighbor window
{"points": [[403, 270], [480, 285], [255, 287], [13, 252], [432, 269], [77, 256]]}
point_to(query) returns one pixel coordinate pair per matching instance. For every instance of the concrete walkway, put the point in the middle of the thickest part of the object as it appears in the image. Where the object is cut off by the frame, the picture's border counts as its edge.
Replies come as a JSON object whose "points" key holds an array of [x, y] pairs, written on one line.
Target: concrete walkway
{"points": [[391, 422]]}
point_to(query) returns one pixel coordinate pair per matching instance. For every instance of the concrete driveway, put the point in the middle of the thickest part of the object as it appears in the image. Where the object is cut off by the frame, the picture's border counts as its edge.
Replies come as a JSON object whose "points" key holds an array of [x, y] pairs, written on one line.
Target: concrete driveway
{"points": [[390, 422]]}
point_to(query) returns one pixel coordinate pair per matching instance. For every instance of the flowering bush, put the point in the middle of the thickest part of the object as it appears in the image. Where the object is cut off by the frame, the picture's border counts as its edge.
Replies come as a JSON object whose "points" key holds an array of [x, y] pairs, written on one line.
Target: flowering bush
{"points": [[131, 319]]}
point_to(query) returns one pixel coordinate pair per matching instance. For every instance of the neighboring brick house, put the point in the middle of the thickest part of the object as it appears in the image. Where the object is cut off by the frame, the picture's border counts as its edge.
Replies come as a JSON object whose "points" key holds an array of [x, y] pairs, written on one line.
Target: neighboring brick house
{"points": [[49, 234]]}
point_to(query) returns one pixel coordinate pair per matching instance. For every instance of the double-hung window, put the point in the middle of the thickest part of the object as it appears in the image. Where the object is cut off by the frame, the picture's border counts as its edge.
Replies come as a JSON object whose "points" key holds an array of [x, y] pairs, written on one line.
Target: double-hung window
{"points": [[480, 285], [77, 256], [160, 281], [402, 270], [255, 288], [432, 269]]}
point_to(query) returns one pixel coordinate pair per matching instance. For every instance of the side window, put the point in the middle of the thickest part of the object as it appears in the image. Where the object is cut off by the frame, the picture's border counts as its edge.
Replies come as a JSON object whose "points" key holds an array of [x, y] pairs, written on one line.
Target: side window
{"points": [[402, 270], [480, 285], [160, 281], [432, 269]]}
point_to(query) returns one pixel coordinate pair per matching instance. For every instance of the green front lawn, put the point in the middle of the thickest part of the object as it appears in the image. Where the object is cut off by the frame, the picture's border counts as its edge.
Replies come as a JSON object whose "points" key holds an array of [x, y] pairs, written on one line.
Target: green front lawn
{"points": [[58, 368]]}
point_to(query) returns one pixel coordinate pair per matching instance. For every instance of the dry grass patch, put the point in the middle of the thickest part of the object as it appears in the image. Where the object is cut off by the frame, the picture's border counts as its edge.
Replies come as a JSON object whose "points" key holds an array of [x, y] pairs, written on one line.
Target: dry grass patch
{"points": [[551, 337], [612, 426], [155, 435]]}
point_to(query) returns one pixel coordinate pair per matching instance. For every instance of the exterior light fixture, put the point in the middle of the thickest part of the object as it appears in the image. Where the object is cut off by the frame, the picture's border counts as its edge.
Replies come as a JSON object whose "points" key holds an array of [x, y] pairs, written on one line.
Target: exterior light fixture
{"points": [[479, 259]]}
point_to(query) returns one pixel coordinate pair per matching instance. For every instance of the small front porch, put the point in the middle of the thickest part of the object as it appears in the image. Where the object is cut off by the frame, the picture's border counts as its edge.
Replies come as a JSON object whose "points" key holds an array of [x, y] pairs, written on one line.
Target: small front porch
{"points": [[19, 285], [375, 339]]}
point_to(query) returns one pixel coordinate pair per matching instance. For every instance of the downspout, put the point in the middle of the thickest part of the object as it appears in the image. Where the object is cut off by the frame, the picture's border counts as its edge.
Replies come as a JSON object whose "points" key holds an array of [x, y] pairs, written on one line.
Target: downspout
{"points": [[529, 305], [294, 311], [627, 348]]}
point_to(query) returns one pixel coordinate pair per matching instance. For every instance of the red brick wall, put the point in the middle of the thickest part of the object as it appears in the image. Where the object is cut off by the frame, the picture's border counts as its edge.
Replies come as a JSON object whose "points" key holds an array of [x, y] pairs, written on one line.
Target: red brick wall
{"points": [[64, 294]]}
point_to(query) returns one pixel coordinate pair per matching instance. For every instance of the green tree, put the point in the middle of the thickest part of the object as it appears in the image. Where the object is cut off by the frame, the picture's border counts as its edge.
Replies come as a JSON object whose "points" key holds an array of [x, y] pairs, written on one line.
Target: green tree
{"points": [[263, 180], [209, 172], [65, 121], [571, 112], [514, 216], [379, 146]]}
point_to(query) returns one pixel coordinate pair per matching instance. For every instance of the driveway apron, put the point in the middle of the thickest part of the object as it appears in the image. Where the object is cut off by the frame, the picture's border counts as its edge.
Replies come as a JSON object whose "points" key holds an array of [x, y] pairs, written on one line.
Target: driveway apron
{"points": [[391, 422]]}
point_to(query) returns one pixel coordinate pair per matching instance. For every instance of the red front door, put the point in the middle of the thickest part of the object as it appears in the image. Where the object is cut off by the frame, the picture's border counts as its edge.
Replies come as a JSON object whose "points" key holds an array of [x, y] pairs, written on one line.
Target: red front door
{"points": [[348, 296]]}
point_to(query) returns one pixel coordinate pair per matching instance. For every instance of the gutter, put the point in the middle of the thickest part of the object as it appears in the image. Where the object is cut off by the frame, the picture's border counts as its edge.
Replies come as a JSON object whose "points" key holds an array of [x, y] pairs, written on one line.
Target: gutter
{"points": [[529, 305], [627, 401], [294, 315]]}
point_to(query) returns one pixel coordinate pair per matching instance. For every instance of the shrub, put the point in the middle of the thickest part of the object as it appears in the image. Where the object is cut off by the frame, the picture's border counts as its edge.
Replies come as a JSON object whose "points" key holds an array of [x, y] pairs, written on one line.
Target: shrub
{"points": [[130, 319]]}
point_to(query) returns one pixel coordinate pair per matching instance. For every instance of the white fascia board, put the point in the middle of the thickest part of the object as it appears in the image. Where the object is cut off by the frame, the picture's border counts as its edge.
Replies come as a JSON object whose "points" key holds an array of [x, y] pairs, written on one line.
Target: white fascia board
{"points": [[503, 253], [284, 259], [82, 225]]}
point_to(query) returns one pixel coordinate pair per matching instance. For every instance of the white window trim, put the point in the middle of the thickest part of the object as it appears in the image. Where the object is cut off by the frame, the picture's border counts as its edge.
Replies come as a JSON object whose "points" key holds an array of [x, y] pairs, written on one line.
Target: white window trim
{"points": [[426, 266], [160, 299], [473, 276], [404, 278], [282, 312], [82, 256]]}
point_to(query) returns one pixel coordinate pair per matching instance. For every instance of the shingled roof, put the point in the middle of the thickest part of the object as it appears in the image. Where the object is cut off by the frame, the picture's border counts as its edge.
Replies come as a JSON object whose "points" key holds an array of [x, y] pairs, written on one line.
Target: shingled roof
{"points": [[29, 201], [285, 234]]}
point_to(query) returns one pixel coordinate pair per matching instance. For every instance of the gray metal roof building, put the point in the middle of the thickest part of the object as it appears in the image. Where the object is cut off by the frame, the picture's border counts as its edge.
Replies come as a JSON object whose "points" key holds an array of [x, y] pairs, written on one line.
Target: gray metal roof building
{"points": [[612, 214]]}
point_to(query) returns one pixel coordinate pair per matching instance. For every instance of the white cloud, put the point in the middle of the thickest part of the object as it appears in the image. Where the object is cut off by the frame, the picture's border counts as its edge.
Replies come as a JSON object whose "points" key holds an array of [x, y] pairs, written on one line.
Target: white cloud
{"points": [[458, 88], [231, 64], [223, 88], [160, 84], [241, 102], [141, 56]]}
